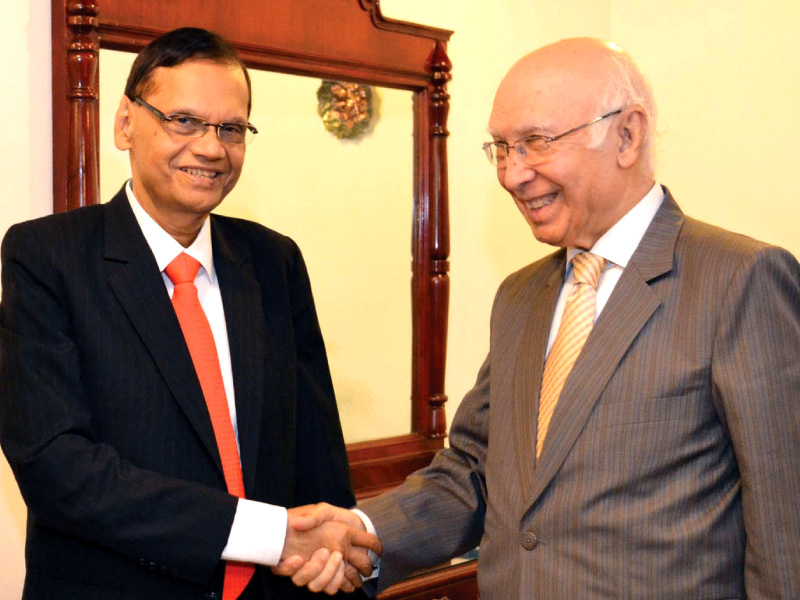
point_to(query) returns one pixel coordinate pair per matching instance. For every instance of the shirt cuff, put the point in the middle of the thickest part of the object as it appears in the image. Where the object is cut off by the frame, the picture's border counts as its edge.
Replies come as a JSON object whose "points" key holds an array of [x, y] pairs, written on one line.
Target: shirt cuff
{"points": [[373, 558], [257, 534]]}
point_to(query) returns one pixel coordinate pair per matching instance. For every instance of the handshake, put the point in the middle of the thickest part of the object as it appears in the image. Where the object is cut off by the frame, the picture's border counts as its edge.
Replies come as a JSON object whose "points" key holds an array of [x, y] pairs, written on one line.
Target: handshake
{"points": [[326, 549]]}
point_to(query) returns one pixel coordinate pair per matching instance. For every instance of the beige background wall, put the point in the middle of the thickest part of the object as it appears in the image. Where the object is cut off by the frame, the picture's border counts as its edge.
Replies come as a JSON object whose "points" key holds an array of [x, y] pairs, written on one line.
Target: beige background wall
{"points": [[726, 74]]}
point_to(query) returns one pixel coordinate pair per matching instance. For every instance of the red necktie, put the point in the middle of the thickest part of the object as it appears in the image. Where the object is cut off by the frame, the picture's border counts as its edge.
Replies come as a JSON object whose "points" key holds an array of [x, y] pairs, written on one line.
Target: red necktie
{"points": [[197, 332]]}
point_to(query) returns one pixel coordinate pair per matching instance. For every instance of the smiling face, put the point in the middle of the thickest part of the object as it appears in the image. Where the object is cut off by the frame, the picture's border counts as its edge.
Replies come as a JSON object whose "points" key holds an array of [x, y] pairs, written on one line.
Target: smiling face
{"points": [[585, 187], [179, 180]]}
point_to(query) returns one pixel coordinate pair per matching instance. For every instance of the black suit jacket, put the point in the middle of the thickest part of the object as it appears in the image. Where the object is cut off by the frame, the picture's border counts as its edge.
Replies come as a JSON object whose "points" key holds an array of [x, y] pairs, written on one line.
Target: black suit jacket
{"points": [[102, 417]]}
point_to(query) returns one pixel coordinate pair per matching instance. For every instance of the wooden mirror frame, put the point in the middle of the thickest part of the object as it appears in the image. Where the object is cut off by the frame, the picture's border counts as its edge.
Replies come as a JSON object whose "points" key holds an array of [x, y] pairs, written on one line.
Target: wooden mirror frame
{"points": [[334, 39]]}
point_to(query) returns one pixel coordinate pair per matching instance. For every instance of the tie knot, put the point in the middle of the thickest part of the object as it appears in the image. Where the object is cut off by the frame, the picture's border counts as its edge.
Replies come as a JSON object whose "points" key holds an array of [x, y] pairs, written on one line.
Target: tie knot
{"points": [[587, 268], [183, 269]]}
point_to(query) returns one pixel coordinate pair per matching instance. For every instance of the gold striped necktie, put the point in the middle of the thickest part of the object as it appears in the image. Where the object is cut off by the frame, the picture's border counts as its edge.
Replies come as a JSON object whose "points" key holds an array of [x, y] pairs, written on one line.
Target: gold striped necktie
{"points": [[576, 324]]}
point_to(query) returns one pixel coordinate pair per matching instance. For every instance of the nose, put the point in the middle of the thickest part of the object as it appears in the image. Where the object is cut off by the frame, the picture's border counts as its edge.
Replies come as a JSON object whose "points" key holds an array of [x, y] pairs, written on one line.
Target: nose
{"points": [[208, 145], [515, 172]]}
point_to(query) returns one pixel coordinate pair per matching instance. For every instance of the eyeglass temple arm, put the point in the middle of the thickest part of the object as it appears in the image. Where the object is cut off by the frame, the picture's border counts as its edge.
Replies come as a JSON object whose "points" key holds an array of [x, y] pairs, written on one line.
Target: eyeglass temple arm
{"points": [[574, 129]]}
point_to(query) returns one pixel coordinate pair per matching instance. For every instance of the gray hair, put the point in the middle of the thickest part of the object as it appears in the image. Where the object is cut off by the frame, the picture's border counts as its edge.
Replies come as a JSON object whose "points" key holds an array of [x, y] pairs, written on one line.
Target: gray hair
{"points": [[626, 86]]}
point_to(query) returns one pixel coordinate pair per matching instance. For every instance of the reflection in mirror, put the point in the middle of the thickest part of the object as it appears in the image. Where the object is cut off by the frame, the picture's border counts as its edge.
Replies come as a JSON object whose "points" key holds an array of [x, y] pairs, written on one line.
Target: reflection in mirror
{"points": [[348, 205]]}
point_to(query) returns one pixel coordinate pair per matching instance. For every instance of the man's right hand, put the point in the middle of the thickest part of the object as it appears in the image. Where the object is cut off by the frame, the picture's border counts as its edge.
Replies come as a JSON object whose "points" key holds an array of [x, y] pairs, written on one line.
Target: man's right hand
{"points": [[326, 548]]}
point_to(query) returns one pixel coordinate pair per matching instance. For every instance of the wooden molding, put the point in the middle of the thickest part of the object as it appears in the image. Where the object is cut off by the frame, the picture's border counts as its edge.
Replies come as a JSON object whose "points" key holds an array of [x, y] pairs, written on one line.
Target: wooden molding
{"points": [[457, 582]]}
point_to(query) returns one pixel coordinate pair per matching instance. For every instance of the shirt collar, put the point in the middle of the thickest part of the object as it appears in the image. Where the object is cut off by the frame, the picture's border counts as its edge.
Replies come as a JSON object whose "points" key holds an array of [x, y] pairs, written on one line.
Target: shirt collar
{"points": [[618, 244], [165, 247]]}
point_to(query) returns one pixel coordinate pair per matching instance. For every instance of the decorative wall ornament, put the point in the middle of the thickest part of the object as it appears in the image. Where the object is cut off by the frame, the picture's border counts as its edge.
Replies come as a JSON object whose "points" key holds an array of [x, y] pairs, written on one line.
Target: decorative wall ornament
{"points": [[345, 108]]}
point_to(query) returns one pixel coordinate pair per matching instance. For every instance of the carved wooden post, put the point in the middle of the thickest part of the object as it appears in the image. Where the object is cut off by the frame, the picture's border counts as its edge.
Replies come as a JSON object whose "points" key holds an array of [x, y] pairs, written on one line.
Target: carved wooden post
{"points": [[439, 236], [83, 184]]}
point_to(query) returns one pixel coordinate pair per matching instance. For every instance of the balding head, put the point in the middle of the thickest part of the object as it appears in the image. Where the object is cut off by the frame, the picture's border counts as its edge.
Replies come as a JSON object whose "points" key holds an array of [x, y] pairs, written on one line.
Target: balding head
{"points": [[590, 177], [586, 77]]}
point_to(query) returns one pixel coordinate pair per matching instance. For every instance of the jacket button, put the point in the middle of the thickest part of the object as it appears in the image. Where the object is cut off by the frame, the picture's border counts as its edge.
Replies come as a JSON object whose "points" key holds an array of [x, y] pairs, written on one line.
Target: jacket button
{"points": [[529, 540]]}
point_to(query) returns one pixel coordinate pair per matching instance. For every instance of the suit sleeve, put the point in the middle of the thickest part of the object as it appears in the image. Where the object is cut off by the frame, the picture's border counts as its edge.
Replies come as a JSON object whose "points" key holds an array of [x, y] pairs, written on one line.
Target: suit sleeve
{"points": [[438, 513], [756, 381], [323, 473], [72, 483]]}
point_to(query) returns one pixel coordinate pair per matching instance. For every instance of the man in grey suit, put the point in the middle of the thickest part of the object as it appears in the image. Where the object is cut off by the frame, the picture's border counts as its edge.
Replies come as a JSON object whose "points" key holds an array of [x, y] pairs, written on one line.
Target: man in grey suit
{"points": [[670, 467]]}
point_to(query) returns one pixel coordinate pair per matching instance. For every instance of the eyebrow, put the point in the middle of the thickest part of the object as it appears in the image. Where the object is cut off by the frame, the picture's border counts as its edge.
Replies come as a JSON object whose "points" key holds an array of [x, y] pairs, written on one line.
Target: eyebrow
{"points": [[520, 133]]}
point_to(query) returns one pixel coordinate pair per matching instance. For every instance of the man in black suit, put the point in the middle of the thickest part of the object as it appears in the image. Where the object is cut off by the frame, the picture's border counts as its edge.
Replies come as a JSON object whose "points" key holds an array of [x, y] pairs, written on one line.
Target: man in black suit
{"points": [[103, 413]]}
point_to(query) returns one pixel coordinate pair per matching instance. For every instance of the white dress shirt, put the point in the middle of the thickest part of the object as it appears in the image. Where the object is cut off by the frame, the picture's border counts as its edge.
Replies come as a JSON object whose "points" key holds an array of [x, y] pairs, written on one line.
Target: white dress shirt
{"points": [[259, 529], [617, 246]]}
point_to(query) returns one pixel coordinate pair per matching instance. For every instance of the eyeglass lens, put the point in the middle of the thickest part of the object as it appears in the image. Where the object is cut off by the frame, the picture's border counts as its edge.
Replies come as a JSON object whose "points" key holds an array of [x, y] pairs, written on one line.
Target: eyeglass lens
{"points": [[230, 133], [531, 151]]}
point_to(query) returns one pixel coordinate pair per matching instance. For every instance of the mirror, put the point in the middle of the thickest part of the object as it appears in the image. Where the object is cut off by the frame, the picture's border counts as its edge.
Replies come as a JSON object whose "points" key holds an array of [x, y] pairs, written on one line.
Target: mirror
{"points": [[347, 40], [335, 198]]}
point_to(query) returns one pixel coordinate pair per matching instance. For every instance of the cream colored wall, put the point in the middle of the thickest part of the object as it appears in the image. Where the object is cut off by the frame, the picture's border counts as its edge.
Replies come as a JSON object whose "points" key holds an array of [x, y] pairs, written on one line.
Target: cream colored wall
{"points": [[348, 204], [725, 75]]}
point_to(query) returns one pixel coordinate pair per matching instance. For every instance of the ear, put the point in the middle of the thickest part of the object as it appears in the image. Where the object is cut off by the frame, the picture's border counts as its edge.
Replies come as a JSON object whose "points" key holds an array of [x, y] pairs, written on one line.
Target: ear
{"points": [[632, 129], [123, 126]]}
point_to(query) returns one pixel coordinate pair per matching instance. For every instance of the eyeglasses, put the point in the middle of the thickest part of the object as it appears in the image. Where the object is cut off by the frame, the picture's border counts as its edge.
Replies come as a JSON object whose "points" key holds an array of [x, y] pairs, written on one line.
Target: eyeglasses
{"points": [[191, 126], [533, 150]]}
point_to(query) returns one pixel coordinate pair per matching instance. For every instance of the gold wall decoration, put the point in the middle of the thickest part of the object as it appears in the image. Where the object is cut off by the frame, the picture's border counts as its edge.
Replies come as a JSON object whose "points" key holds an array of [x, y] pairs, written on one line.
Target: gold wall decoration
{"points": [[345, 108]]}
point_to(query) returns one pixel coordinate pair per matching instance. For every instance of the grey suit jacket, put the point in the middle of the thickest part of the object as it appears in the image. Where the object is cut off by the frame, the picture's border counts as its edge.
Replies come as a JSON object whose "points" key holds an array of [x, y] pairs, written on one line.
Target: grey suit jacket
{"points": [[672, 465]]}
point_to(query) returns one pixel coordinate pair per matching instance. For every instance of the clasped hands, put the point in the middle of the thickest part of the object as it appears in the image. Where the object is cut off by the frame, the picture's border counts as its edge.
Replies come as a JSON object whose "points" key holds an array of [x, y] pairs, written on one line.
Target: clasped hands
{"points": [[326, 549]]}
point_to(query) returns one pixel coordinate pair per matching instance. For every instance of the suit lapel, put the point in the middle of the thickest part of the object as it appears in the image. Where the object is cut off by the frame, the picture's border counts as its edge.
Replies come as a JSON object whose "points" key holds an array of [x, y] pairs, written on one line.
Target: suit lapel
{"points": [[541, 293], [244, 318], [629, 308], [137, 284]]}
